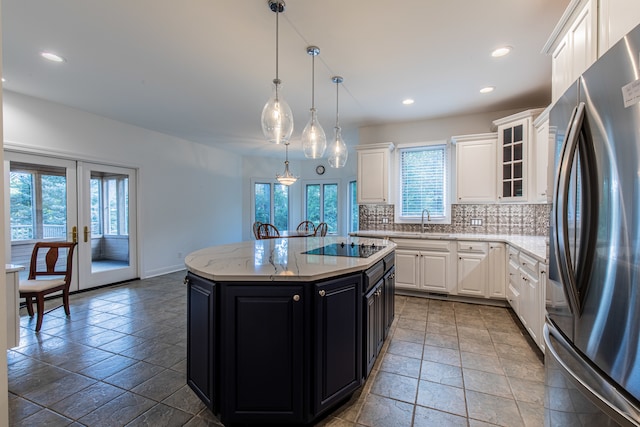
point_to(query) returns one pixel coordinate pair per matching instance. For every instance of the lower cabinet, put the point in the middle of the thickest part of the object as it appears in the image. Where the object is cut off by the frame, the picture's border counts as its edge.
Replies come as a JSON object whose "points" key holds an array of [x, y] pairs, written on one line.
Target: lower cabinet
{"points": [[201, 325], [481, 269], [337, 341], [283, 352], [424, 265]]}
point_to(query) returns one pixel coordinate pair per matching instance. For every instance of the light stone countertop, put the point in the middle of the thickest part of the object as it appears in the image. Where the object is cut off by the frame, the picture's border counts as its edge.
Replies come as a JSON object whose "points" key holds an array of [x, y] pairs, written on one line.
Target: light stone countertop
{"points": [[535, 246], [281, 260]]}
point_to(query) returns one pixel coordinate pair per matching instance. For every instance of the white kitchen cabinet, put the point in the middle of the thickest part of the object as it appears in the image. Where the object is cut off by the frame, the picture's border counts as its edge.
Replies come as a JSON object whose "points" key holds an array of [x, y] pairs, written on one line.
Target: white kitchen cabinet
{"points": [[424, 265], [515, 156], [476, 167], [497, 270], [472, 268], [572, 45], [374, 164], [542, 297], [544, 159], [13, 304], [526, 293], [615, 19]]}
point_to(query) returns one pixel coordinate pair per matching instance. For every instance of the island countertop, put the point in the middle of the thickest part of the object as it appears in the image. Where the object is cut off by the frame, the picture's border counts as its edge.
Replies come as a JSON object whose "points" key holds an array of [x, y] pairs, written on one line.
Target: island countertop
{"points": [[281, 259]]}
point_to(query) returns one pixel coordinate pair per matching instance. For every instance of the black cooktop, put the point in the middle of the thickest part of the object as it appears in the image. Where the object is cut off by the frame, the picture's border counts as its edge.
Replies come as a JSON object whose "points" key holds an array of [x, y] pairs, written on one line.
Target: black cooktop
{"points": [[346, 249]]}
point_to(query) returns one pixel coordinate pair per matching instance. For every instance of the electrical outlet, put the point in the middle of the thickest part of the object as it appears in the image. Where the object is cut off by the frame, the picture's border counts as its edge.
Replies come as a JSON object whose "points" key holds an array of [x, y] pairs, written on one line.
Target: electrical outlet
{"points": [[385, 220], [475, 222]]}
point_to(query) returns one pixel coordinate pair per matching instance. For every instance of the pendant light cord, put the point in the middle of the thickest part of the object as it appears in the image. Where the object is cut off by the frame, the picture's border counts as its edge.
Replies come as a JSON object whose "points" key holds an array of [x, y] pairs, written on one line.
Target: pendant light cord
{"points": [[277, 44], [313, 81], [337, 113]]}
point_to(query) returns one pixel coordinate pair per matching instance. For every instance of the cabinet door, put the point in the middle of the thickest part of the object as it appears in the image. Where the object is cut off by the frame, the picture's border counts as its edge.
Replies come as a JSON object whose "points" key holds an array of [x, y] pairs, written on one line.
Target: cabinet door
{"points": [[561, 77], [338, 345], [512, 165], [616, 18], [201, 356], [407, 269], [497, 270], [374, 319], [263, 349], [476, 171], [389, 299], [472, 274], [434, 271], [544, 164], [373, 176]]}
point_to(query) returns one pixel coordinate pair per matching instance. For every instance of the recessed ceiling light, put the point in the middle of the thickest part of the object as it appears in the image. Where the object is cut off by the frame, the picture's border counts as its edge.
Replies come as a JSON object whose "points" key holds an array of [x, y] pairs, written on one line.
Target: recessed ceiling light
{"points": [[501, 51], [487, 89], [408, 101], [52, 57], [4, 80]]}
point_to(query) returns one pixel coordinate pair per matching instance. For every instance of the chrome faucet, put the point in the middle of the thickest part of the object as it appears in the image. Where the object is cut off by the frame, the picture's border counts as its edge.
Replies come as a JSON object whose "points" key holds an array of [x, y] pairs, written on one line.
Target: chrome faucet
{"points": [[428, 218]]}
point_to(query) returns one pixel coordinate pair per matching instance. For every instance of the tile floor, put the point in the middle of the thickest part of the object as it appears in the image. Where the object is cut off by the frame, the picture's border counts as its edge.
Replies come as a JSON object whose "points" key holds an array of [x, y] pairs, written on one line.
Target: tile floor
{"points": [[120, 360]]}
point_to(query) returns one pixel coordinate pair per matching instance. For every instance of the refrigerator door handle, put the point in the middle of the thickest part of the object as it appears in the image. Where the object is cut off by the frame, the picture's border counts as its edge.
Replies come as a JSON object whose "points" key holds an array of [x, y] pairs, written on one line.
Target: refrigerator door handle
{"points": [[561, 209], [615, 405]]}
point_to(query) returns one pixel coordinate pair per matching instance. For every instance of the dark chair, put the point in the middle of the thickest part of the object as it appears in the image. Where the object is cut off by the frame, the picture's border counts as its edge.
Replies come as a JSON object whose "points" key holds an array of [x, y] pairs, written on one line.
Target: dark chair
{"points": [[268, 231], [321, 229], [256, 225], [306, 226], [54, 278]]}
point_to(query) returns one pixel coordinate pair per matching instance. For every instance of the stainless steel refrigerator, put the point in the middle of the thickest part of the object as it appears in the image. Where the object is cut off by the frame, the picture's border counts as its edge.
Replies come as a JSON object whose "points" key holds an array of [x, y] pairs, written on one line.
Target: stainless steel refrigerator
{"points": [[592, 330]]}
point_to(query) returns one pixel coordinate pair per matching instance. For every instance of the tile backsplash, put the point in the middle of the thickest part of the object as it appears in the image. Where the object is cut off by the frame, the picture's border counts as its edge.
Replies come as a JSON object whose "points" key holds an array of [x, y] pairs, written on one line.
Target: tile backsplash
{"points": [[521, 219]]}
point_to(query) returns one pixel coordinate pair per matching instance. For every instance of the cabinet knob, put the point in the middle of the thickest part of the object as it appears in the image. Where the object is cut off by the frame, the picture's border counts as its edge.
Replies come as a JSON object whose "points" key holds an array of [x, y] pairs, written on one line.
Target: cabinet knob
{"points": [[296, 297], [459, 257], [186, 280], [322, 293]]}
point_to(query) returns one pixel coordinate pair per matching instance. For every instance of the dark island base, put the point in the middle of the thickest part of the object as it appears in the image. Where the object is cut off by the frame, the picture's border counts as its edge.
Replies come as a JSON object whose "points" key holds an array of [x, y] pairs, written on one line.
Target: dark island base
{"points": [[285, 352]]}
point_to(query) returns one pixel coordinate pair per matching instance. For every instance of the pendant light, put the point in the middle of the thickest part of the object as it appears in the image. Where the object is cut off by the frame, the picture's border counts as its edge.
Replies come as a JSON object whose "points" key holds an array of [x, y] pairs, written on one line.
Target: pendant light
{"points": [[277, 118], [287, 178], [314, 141], [337, 149]]}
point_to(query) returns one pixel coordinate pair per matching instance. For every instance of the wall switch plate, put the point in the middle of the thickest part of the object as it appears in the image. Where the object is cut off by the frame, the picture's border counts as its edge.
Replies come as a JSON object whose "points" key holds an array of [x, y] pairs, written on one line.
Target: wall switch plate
{"points": [[475, 222]]}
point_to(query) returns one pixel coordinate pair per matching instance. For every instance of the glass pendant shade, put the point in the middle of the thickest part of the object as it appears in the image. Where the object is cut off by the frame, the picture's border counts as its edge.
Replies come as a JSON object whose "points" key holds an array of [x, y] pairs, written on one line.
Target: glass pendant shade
{"points": [[314, 140], [277, 118], [338, 151]]}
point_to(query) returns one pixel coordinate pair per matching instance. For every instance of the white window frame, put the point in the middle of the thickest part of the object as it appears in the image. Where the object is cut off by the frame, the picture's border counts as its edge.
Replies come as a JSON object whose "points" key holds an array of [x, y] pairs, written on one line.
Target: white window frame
{"points": [[351, 205], [397, 183], [322, 183]]}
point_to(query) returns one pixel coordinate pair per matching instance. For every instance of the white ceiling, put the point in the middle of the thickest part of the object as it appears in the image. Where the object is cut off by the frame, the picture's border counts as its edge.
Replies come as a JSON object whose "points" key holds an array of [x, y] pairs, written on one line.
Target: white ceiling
{"points": [[202, 69]]}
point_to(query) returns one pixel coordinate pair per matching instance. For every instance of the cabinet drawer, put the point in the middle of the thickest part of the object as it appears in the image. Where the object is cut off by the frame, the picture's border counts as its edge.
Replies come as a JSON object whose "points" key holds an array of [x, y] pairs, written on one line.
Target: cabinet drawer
{"points": [[420, 244], [529, 264], [473, 247], [513, 297], [513, 254]]}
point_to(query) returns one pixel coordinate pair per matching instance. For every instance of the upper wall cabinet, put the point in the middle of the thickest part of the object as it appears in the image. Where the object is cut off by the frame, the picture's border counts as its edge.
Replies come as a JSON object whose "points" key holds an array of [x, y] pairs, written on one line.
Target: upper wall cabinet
{"points": [[516, 156], [374, 164], [475, 167], [615, 19], [544, 155], [586, 30], [572, 45]]}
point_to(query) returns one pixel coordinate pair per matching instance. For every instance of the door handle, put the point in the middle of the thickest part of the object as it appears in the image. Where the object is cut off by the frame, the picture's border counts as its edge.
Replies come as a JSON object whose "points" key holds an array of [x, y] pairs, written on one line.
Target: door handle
{"points": [[74, 234], [86, 234]]}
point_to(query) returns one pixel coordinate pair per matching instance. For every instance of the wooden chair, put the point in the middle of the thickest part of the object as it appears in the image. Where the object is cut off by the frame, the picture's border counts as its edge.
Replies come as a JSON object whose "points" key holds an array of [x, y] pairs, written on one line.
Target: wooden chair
{"points": [[306, 226], [268, 231], [45, 265], [321, 229], [256, 225]]}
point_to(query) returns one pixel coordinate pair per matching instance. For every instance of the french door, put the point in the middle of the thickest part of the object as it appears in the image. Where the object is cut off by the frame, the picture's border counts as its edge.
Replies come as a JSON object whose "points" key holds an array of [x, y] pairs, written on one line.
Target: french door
{"points": [[64, 200]]}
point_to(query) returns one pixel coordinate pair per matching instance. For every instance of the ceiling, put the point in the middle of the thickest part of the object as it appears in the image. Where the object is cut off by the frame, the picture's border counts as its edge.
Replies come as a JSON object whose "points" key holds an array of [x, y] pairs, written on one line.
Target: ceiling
{"points": [[202, 70]]}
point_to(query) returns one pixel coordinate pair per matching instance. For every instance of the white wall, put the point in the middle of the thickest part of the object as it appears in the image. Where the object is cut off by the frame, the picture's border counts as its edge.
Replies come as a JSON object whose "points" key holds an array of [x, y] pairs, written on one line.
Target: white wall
{"points": [[432, 129], [267, 168], [4, 387], [189, 195]]}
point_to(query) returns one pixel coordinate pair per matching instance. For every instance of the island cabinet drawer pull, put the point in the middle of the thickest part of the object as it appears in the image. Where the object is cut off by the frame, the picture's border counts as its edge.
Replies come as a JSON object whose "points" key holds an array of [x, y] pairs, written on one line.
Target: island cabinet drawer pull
{"points": [[322, 293], [296, 297]]}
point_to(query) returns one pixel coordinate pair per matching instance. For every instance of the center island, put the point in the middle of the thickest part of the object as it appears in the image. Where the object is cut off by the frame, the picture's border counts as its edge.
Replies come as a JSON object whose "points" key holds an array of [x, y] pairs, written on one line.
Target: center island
{"points": [[282, 331]]}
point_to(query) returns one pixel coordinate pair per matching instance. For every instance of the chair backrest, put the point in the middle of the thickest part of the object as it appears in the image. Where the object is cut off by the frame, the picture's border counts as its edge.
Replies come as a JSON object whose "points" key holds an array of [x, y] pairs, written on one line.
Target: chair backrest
{"points": [[47, 264], [256, 225], [267, 231], [321, 229], [306, 226]]}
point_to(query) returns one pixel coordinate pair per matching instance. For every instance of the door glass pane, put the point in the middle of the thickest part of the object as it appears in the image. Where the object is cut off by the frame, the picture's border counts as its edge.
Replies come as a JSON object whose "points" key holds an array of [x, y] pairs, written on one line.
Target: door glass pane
{"points": [[38, 208], [330, 207], [262, 193], [506, 171], [109, 221], [506, 136], [353, 207], [517, 151], [517, 133], [281, 206], [313, 203]]}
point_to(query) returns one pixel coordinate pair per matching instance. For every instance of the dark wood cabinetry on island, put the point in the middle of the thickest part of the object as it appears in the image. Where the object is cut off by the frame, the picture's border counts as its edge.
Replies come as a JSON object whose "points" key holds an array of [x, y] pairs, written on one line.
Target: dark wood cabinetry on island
{"points": [[284, 352]]}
